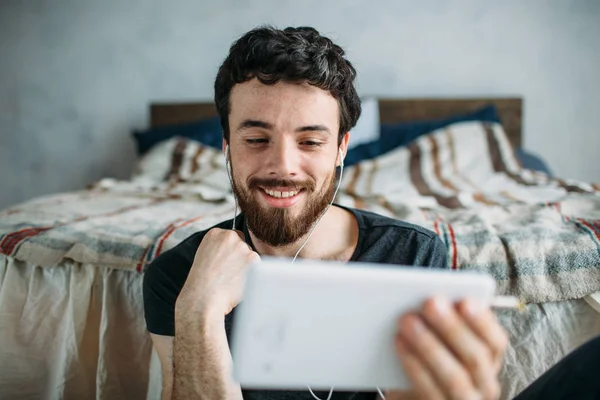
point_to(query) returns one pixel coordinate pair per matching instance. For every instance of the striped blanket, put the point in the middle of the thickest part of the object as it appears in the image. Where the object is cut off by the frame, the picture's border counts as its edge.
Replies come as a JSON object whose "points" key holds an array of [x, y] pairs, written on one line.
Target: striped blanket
{"points": [[539, 237]]}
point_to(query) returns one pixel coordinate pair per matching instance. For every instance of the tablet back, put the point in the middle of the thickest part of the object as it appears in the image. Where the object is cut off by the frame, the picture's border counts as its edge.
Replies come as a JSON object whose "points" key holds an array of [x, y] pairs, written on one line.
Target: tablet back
{"points": [[323, 324]]}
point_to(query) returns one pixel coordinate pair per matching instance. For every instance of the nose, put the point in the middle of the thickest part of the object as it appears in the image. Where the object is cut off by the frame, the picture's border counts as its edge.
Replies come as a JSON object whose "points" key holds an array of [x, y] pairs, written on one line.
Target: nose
{"points": [[282, 160]]}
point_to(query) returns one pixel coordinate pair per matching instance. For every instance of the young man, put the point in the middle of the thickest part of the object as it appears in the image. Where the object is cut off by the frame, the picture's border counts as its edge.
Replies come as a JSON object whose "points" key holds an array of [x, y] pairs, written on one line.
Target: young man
{"points": [[287, 102]]}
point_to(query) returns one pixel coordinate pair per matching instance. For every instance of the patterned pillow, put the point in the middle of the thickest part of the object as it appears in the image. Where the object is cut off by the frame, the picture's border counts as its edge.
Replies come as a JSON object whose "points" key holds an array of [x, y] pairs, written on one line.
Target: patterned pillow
{"points": [[401, 134], [179, 160]]}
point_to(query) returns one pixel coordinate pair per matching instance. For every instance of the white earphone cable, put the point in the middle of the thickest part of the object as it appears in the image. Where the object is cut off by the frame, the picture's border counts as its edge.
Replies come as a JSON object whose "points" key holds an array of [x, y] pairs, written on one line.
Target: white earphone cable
{"points": [[317, 397], [306, 241], [324, 212], [304, 244], [228, 167]]}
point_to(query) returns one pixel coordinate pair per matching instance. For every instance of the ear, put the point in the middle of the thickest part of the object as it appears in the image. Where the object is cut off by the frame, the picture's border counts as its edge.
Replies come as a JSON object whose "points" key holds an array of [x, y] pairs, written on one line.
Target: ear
{"points": [[344, 147], [224, 145]]}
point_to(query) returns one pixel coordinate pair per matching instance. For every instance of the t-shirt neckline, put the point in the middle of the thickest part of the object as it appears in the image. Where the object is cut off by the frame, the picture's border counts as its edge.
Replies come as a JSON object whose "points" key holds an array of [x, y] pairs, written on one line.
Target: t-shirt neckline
{"points": [[359, 221]]}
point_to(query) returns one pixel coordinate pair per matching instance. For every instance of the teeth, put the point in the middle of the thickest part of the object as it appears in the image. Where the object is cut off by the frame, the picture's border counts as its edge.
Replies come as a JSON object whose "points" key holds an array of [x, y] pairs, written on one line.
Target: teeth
{"points": [[278, 194]]}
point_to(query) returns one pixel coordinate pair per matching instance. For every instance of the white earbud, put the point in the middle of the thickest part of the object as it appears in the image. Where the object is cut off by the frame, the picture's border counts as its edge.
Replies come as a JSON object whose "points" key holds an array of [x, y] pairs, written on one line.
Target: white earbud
{"points": [[341, 158]]}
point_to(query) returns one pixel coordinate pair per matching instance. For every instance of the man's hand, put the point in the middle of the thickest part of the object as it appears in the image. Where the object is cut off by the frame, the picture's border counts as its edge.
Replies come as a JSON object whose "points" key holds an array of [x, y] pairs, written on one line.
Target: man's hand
{"points": [[216, 280], [451, 352], [202, 362]]}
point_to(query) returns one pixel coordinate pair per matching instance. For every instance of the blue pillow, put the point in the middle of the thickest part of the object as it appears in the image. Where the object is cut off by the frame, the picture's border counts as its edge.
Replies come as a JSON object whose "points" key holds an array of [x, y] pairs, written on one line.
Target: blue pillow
{"points": [[207, 131], [401, 134], [532, 161]]}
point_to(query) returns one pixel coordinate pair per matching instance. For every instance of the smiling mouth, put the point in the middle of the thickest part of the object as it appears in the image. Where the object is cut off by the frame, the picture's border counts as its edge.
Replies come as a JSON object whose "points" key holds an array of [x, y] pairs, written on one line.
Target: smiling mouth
{"points": [[280, 194]]}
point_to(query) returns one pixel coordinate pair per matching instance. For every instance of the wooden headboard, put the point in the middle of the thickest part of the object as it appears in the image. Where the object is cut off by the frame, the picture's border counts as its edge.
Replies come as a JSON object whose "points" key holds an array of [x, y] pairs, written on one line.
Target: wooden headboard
{"points": [[390, 111]]}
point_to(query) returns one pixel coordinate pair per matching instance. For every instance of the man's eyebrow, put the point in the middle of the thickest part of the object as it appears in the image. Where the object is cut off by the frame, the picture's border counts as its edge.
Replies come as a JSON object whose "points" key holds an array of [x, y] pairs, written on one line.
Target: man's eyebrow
{"points": [[254, 123], [314, 128]]}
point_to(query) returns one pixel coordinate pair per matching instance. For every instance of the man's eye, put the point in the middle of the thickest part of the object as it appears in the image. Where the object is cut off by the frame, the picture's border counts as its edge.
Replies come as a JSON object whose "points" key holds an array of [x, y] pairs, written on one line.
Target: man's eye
{"points": [[256, 141], [312, 143]]}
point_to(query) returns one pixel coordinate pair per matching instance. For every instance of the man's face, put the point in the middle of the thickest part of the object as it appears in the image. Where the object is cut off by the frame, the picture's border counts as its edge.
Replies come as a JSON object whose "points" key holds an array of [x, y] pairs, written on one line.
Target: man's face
{"points": [[283, 147]]}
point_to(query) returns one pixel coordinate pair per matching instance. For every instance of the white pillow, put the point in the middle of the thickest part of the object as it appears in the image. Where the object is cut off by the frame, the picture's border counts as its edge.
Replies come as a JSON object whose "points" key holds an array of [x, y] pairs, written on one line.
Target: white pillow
{"points": [[367, 126]]}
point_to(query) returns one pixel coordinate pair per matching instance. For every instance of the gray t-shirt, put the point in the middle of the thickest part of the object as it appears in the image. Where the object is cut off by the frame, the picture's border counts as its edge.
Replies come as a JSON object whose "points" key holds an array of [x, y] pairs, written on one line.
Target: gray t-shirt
{"points": [[380, 240]]}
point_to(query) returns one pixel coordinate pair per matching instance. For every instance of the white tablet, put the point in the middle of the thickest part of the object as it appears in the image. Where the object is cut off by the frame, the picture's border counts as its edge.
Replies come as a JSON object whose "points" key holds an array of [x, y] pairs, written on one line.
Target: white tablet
{"points": [[321, 324]]}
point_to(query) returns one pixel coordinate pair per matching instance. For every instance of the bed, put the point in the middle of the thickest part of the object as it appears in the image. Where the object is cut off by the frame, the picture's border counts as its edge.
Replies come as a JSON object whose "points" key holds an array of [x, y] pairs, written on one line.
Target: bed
{"points": [[71, 264]]}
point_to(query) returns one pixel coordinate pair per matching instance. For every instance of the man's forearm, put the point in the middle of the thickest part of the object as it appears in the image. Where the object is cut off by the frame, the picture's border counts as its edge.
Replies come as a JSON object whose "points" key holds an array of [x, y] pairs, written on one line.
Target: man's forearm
{"points": [[202, 365]]}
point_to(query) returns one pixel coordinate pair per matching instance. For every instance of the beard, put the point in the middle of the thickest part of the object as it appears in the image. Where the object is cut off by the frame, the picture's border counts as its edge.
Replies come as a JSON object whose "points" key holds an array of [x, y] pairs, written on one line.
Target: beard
{"points": [[277, 227]]}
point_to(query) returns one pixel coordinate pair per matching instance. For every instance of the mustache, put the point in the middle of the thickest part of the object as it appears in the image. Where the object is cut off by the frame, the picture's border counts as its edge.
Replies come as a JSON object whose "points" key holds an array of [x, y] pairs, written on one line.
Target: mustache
{"points": [[294, 185]]}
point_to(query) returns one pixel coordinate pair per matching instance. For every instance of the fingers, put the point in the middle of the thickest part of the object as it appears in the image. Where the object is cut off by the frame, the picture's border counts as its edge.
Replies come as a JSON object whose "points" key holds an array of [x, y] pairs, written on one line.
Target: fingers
{"points": [[252, 257], [224, 239], [241, 235], [221, 247], [472, 352], [446, 370], [485, 325], [424, 386]]}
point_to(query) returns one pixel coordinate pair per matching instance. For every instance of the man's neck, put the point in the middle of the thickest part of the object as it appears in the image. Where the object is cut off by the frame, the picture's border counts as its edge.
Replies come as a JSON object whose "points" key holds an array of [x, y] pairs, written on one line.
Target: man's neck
{"points": [[336, 234]]}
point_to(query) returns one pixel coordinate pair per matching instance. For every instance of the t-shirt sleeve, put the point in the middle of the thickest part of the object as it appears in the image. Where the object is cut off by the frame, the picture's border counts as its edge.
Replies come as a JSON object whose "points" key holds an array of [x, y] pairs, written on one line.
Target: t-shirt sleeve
{"points": [[434, 255], [163, 281]]}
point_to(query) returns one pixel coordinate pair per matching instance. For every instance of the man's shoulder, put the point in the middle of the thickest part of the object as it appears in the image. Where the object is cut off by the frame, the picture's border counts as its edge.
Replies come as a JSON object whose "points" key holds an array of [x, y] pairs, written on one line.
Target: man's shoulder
{"points": [[369, 221], [393, 241]]}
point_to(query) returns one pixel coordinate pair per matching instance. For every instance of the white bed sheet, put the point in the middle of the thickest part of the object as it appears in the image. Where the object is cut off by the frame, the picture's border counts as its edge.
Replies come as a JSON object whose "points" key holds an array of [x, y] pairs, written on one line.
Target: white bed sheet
{"points": [[72, 331]]}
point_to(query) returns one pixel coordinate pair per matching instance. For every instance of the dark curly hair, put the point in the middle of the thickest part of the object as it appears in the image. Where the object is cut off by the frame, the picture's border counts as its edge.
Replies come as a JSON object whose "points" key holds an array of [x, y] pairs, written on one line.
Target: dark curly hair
{"points": [[290, 55]]}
